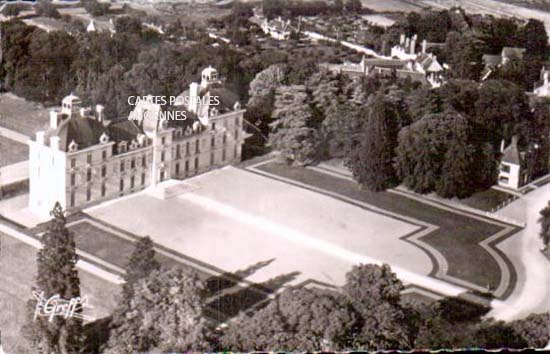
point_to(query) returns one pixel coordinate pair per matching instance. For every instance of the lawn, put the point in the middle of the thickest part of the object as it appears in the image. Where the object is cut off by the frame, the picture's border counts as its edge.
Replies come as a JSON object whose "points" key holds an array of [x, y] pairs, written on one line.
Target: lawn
{"points": [[457, 238], [17, 271], [487, 200], [22, 116], [235, 219], [225, 295], [12, 152]]}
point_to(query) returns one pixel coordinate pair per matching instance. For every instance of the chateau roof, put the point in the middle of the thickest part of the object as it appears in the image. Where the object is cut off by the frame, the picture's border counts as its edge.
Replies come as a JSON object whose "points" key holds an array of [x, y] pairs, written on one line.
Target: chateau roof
{"points": [[491, 60], [86, 131], [513, 52]]}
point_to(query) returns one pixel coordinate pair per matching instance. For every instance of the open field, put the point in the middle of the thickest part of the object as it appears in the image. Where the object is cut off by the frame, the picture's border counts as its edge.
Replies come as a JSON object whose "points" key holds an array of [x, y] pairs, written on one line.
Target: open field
{"points": [[17, 272], [22, 116], [12, 152], [392, 5]]}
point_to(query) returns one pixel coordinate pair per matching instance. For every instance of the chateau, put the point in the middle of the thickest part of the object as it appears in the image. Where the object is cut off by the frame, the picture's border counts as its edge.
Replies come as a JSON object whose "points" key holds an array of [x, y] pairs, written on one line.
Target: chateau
{"points": [[84, 158]]}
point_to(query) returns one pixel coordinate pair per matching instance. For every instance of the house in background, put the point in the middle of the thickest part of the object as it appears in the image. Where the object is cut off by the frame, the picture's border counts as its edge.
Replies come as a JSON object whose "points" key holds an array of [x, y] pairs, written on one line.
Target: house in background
{"points": [[277, 28], [512, 171], [492, 62]]}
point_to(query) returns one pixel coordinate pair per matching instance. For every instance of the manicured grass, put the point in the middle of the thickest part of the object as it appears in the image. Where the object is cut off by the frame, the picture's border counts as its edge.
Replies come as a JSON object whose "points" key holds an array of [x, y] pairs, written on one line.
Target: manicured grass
{"points": [[225, 297], [457, 238], [12, 152], [17, 272], [487, 200]]}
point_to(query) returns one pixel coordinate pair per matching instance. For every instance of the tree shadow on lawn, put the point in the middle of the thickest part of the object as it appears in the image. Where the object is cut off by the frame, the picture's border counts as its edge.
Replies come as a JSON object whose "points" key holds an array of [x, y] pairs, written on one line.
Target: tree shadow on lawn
{"points": [[229, 279], [228, 305]]}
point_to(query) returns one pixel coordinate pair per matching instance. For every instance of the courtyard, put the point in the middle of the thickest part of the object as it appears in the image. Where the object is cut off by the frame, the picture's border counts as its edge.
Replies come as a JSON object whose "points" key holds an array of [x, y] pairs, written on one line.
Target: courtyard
{"points": [[233, 218]]}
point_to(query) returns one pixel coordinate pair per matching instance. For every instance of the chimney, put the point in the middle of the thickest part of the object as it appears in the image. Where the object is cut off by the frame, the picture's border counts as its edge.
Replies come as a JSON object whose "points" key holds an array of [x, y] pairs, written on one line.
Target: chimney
{"points": [[54, 142], [413, 44], [424, 45], [402, 39], [502, 145], [514, 140], [99, 110], [193, 97], [54, 119], [40, 137], [407, 43]]}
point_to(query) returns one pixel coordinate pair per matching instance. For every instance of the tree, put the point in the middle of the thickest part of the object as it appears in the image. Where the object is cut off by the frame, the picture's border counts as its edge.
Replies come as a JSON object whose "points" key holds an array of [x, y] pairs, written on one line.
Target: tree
{"points": [[140, 264], [534, 329], [456, 172], [94, 8], [544, 221], [353, 6], [299, 319], [165, 314], [56, 275], [464, 52], [291, 132], [342, 128], [46, 8], [128, 25], [371, 160], [375, 292], [535, 38], [12, 10]]}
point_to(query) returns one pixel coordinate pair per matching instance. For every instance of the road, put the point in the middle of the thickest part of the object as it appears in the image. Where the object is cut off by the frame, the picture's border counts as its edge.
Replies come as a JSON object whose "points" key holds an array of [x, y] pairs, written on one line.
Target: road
{"points": [[532, 294]]}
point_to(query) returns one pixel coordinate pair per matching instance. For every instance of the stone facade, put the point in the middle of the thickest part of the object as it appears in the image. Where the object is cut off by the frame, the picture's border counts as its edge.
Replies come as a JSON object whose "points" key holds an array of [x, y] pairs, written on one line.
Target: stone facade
{"points": [[85, 159]]}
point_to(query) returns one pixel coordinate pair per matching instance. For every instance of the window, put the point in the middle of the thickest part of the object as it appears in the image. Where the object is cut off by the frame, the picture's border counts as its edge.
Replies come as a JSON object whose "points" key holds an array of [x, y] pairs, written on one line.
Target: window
{"points": [[211, 158], [178, 152], [162, 156], [143, 179], [237, 121], [104, 155], [72, 199], [505, 168], [72, 179], [196, 163], [89, 175], [89, 158], [103, 189], [133, 163], [88, 194], [236, 134], [235, 152], [503, 180], [144, 161], [213, 126], [122, 166], [121, 186], [73, 162], [186, 167], [177, 168], [197, 147], [162, 140], [212, 141], [187, 148], [161, 176], [132, 182], [224, 138], [223, 155], [103, 171]]}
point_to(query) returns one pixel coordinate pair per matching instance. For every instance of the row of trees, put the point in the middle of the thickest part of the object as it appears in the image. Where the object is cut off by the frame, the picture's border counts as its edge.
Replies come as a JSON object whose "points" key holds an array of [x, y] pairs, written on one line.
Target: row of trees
{"points": [[390, 131], [293, 8], [164, 310]]}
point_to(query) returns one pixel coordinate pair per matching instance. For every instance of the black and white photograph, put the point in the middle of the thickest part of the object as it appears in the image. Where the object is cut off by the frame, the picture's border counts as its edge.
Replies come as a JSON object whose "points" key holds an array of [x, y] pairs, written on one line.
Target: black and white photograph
{"points": [[289, 176]]}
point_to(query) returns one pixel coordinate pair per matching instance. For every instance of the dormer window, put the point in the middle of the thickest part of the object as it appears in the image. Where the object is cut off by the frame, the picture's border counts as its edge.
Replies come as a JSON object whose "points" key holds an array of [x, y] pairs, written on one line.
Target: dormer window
{"points": [[104, 138], [73, 146], [122, 146], [134, 145]]}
